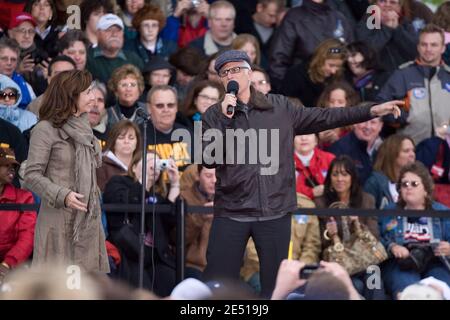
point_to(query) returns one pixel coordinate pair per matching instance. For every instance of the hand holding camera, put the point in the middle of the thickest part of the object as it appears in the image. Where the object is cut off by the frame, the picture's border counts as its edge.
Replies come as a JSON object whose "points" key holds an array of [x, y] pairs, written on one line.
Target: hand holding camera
{"points": [[26, 64]]}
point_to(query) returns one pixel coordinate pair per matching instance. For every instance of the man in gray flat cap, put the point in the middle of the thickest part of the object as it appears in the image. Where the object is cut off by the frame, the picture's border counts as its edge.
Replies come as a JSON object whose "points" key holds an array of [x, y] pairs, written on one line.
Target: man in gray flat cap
{"points": [[247, 202]]}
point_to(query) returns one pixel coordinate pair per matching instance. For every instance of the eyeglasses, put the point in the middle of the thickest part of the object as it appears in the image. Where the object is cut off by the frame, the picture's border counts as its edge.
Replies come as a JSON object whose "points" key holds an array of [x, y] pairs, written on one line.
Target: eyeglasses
{"points": [[406, 184], [224, 73], [205, 97], [162, 105], [128, 85], [8, 59], [10, 95], [260, 82], [30, 32], [390, 2]]}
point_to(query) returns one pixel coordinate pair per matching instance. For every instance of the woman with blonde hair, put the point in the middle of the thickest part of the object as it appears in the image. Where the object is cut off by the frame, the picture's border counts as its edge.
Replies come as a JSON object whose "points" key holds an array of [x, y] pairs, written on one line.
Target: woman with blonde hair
{"points": [[61, 170], [250, 45], [307, 80], [127, 84]]}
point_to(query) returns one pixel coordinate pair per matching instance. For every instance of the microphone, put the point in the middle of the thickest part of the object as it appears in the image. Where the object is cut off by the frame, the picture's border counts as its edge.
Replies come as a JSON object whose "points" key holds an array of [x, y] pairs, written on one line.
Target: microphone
{"points": [[142, 114], [232, 88]]}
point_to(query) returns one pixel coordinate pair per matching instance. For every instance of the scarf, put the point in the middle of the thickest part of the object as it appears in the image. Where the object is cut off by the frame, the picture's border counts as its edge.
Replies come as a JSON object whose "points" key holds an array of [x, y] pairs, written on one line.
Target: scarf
{"points": [[87, 159]]}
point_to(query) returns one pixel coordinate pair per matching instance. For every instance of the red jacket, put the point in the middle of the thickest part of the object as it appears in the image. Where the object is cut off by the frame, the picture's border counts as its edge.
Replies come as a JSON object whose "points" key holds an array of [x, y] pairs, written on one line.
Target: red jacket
{"points": [[187, 32], [16, 229], [318, 168]]}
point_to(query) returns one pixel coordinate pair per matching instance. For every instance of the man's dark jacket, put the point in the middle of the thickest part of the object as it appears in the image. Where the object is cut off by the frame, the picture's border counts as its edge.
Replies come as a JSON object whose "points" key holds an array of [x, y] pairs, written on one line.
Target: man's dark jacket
{"points": [[240, 188]]}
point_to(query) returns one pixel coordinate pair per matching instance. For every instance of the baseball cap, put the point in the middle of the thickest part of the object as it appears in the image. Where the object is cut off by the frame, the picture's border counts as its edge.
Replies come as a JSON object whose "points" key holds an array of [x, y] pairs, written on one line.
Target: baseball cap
{"points": [[19, 18], [7, 157], [109, 20], [230, 56]]}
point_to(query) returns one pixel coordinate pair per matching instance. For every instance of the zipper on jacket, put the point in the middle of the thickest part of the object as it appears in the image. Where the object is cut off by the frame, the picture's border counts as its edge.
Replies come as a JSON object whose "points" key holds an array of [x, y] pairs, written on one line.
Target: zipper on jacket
{"points": [[430, 100]]}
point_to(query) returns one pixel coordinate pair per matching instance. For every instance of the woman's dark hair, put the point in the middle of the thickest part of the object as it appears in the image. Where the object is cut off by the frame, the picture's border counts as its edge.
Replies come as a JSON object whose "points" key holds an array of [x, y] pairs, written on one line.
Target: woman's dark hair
{"points": [[371, 61], [351, 95], [119, 128], [419, 169], [356, 192], [189, 107], [29, 6], [89, 6], [61, 97], [70, 37]]}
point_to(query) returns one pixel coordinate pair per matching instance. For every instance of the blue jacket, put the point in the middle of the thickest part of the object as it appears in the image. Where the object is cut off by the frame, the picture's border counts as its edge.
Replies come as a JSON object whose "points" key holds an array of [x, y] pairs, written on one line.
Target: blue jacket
{"points": [[356, 149], [378, 186], [391, 228]]}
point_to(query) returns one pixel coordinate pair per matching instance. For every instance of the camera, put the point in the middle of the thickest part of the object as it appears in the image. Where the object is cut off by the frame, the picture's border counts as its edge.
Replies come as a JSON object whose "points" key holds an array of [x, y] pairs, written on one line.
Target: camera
{"points": [[37, 58], [195, 3], [162, 164], [308, 270]]}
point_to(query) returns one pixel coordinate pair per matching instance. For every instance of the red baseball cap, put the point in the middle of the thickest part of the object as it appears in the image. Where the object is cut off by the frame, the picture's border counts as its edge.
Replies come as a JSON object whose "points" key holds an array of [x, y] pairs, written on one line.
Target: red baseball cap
{"points": [[20, 17]]}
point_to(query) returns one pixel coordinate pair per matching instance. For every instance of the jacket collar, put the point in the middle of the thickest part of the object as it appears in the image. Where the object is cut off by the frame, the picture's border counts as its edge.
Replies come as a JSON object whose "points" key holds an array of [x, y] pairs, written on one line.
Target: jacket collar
{"points": [[8, 194]]}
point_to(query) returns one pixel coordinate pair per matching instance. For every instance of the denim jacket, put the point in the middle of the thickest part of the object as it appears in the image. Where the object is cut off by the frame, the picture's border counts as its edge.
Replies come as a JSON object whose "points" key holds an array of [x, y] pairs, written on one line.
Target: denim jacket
{"points": [[391, 228]]}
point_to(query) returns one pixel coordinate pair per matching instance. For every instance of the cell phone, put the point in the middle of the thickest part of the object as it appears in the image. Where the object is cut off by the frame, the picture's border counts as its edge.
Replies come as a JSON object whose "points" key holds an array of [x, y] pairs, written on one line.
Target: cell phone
{"points": [[308, 270]]}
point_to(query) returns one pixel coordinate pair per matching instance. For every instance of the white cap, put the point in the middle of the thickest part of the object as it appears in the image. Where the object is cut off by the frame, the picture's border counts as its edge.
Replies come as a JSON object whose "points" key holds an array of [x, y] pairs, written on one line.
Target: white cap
{"points": [[109, 20], [439, 284], [191, 289]]}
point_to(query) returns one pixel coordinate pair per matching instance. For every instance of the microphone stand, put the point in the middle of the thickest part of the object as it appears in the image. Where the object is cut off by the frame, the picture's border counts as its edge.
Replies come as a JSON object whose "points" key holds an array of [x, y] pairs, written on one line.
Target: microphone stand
{"points": [[144, 186]]}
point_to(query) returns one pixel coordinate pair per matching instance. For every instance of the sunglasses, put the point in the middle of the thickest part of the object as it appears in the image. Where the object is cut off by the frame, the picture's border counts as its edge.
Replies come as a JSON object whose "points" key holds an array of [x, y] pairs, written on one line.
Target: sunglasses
{"points": [[406, 184], [10, 95]]}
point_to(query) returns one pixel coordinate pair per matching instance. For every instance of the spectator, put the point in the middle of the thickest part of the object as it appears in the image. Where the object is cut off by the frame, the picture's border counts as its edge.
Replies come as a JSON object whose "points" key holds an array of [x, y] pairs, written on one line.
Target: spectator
{"points": [[364, 71], [361, 145], [127, 11], [188, 63], [207, 72], [221, 25], [337, 94], [44, 13], [98, 119], [10, 96], [157, 72], [423, 84], [396, 40], [311, 165], [109, 55], [127, 84], [306, 245], [74, 44], [33, 60], [159, 263], [122, 146], [201, 96], [307, 80], [394, 153], [261, 25], [342, 185], [249, 44], [260, 80], [61, 164], [16, 228], [187, 23], [419, 246], [162, 107], [442, 19], [148, 23], [9, 60], [57, 65], [200, 193], [302, 30], [91, 12], [11, 137]]}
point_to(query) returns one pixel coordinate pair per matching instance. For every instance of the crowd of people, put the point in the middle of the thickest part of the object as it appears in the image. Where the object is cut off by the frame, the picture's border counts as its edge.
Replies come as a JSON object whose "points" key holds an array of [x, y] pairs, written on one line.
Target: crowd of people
{"points": [[73, 103]]}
